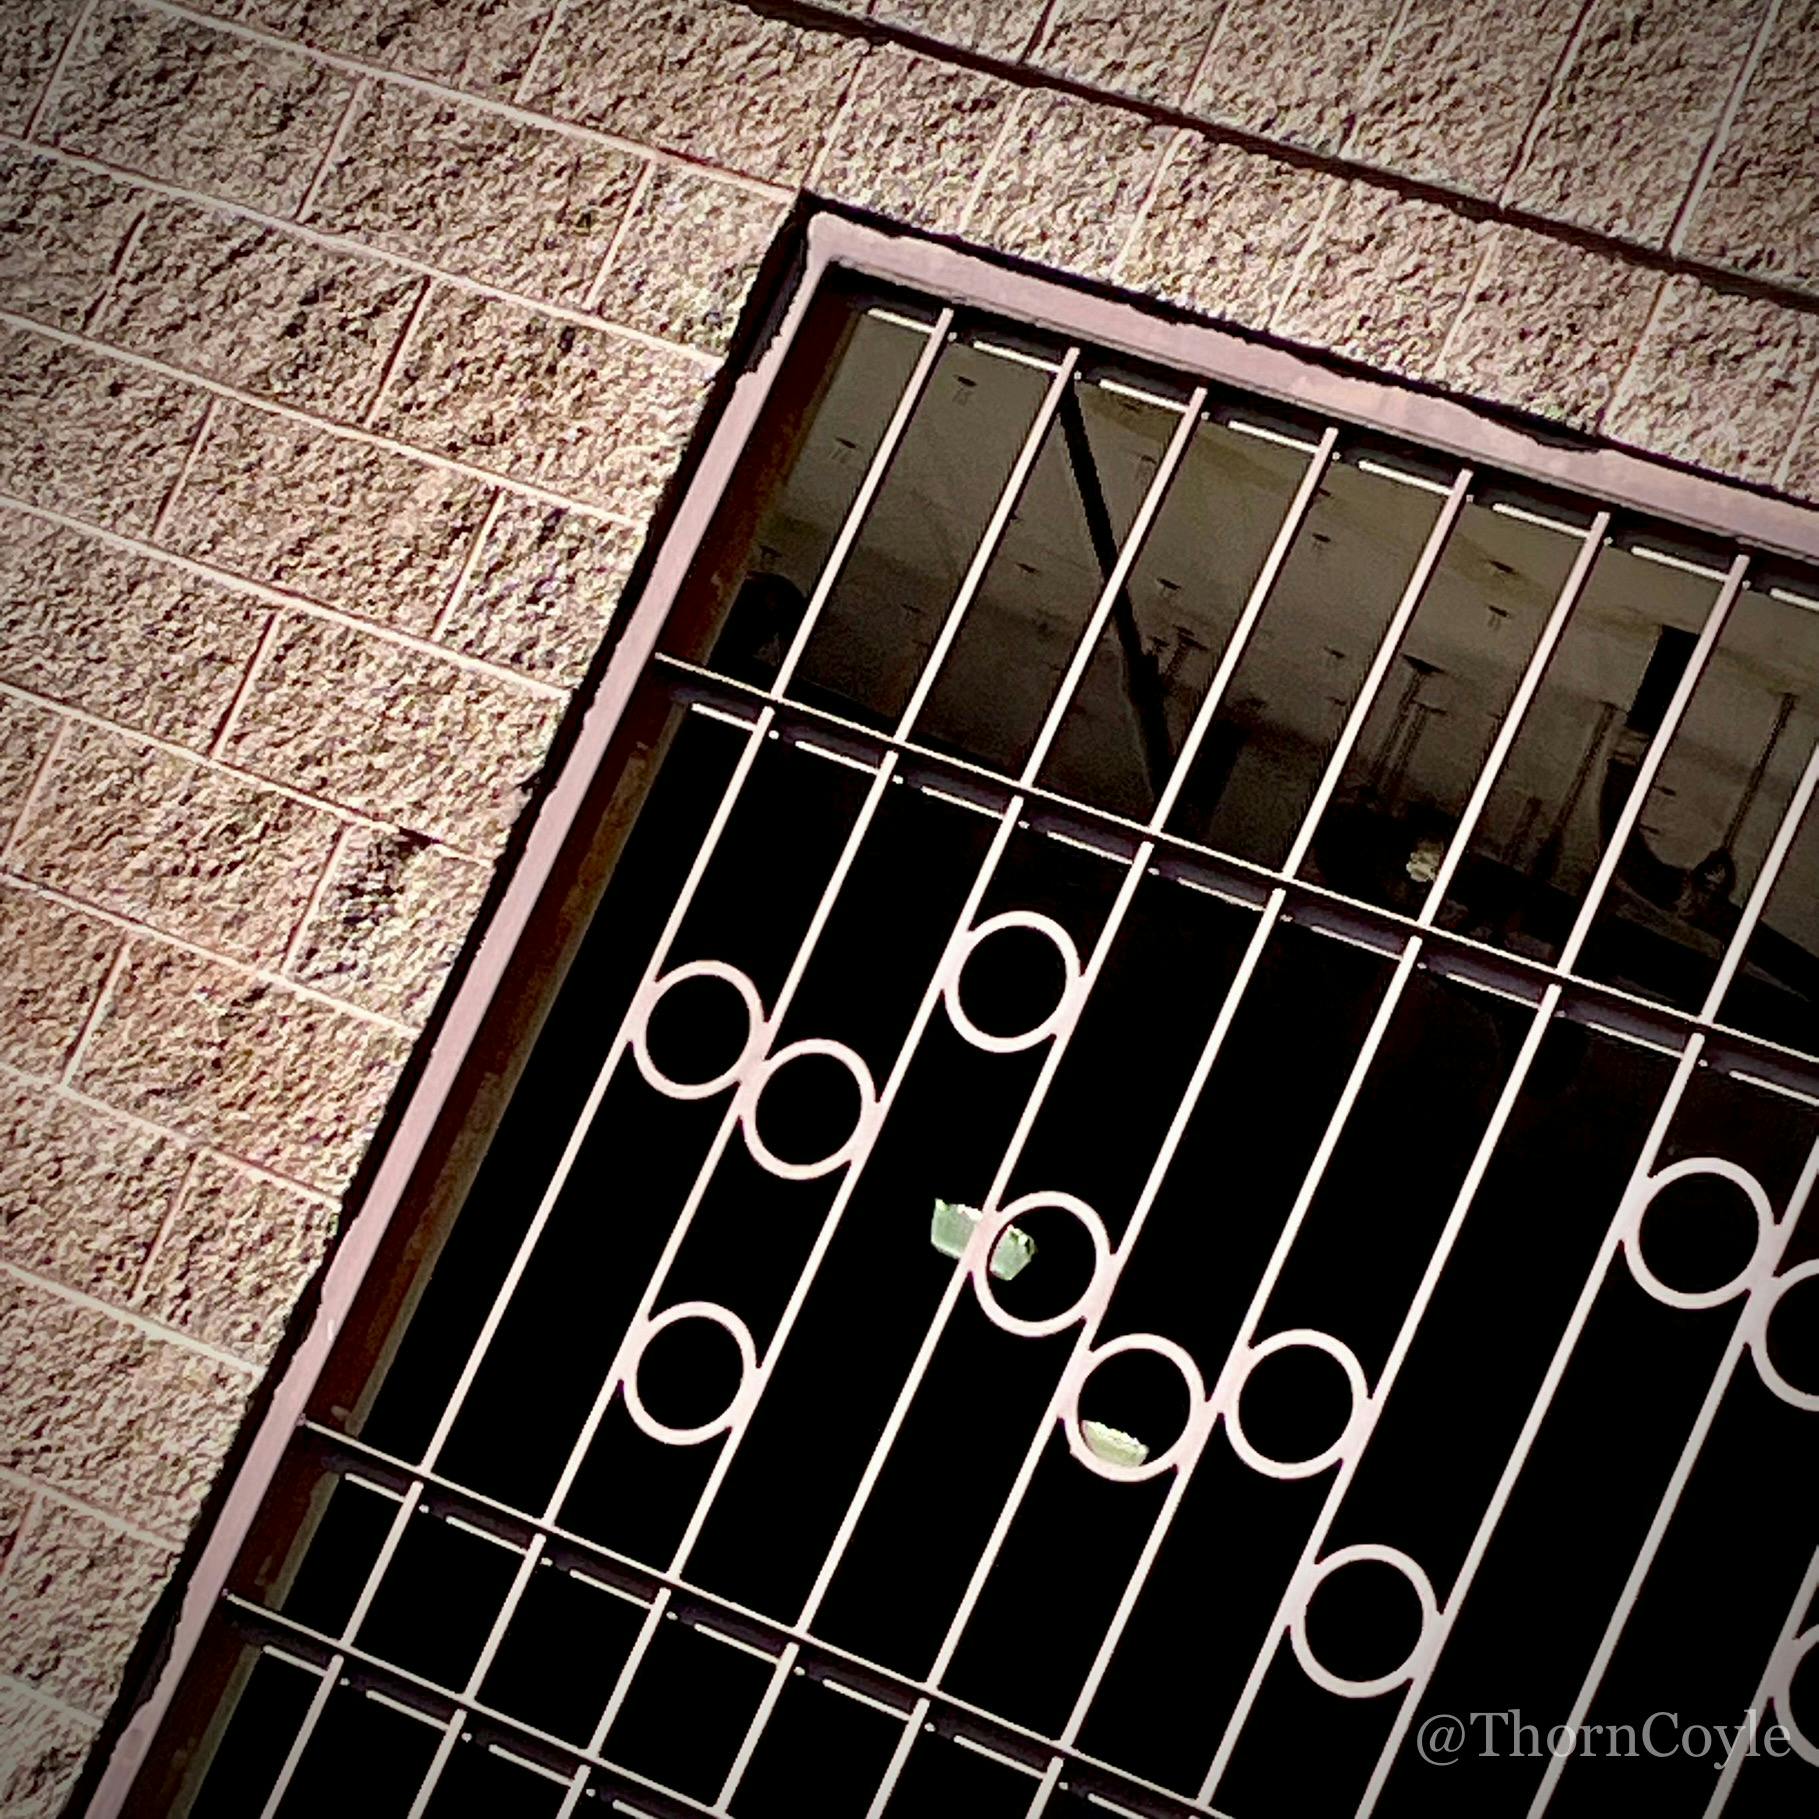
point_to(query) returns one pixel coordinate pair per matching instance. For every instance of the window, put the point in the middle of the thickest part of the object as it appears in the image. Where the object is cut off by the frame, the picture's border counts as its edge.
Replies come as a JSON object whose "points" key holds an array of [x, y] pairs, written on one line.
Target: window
{"points": [[1142, 1114]]}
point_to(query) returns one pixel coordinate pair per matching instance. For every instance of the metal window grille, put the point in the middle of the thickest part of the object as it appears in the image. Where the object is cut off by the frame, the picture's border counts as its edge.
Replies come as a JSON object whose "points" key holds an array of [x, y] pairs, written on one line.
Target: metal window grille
{"points": [[1143, 1111]]}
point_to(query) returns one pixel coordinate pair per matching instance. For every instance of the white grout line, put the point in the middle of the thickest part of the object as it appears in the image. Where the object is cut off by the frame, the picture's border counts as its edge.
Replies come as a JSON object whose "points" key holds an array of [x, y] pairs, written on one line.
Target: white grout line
{"points": [[206, 422], [1721, 133], [293, 949], [108, 1518], [268, 636], [36, 1695], [337, 139], [78, 27], [35, 790], [596, 285], [396, 358], [339, 427], [133, 928], [126, 1316], [135, 1295], [166, 1133], [281, 600]]}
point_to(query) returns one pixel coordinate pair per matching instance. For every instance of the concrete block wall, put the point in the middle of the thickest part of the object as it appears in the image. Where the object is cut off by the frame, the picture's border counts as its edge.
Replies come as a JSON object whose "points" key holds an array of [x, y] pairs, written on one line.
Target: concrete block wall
{"points": [[345, 346]]}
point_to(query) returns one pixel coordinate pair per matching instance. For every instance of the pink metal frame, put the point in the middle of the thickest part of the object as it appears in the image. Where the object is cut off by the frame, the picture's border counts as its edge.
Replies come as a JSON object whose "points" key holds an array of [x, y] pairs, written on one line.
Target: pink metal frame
{"points": [[1475, 442]]}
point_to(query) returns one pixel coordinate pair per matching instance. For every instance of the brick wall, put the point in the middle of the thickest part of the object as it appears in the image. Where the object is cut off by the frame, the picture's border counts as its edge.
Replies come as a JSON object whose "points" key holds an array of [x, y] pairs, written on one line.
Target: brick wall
{"points": [[344, 347]]}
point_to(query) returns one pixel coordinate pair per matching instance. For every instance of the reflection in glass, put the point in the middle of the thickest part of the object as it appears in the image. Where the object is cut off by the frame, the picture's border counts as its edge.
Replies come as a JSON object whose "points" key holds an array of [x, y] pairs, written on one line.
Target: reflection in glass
{"points": [[1568, 772], [1712, 812], [1156, 656], [1776, 991], [1286, 705], [1024, 624], [891, 600], [767, 553], [1426, 738]]}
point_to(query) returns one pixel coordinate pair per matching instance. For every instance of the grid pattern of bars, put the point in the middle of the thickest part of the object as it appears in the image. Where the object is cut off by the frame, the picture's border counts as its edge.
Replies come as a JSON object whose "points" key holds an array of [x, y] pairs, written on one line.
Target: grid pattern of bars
{"points": [[777, 703]]}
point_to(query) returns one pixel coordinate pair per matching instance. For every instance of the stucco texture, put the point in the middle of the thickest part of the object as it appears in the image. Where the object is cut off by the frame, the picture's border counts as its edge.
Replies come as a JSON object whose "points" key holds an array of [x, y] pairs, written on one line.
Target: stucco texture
{"points": [[344, 351]]}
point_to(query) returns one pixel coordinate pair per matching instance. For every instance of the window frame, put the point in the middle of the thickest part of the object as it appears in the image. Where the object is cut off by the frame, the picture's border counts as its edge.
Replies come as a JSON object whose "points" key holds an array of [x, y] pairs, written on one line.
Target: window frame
{"points": [[464, 1068]]}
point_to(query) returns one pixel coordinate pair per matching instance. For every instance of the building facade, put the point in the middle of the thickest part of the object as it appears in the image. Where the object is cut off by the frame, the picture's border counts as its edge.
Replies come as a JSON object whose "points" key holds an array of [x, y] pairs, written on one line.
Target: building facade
{"points": [[349, 352]]}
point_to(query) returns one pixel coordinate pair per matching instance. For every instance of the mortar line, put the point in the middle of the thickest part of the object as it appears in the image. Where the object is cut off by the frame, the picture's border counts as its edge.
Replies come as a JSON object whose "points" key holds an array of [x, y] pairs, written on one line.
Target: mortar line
{"points": [[72, 1057], [206, 422], [134, 928], [522, 88], [596, 285], [277, 598], [123, 253], [339, 427], [168, 1133], [78, 26], [395, 359], [34, 790], [293, 948], [1721, 133], [127, 1316], [142, 1276], [337, 139], [1563, 65], [100, 1512], [489, 520]]}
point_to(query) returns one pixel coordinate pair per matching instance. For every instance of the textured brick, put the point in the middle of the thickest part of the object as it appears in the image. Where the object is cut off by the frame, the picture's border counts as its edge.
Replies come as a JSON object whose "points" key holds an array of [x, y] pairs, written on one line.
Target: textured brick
{"points": [[543, 590], [1625, 131], [456, 187], [480, 45], [1223, 230], [1548, 327], [195, 106], [1067, 182], [120, 635], [1760, 211], [196, 851], [241, 1063], [391, 922], [41, 1750], [1459, 87], [339, 520], [52, 961], [82, 1195], [690, 252], [86, 435], [1802, 476], [25, 736], [259, 309], [1148, 47], [914, 138], [1719, 380], [73, 1601], [719, 82], [1293, 68], [16, 1505], [1000, 28], [108, 1413], [236, 1259], [31, 34], [586, 412], [404, 734], [1382, 280], [63, 229]]}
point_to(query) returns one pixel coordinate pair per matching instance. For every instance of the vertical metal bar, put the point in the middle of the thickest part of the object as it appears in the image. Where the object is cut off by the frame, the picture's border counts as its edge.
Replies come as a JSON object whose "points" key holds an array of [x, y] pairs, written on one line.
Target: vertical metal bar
{"points": [[1651, 763], [993, 534], [882, 458], [1235, 645], [331, 1678], [1492, 768], [1448, 1612], [1119, 578], [1425, 565], [912, 1728], [1763, 1269], [507, 1290], [1803, 1599]]}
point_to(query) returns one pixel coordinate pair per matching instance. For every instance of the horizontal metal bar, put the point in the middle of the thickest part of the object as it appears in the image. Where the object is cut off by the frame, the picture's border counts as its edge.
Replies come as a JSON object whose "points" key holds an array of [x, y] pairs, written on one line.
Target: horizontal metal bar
{"points": [[704, 1611], [1310, 904]]}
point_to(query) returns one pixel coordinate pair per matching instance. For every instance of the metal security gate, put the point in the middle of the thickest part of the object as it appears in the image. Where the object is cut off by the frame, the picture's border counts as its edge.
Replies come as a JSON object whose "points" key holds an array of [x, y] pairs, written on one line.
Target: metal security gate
{"points": [[1137, 1138]]}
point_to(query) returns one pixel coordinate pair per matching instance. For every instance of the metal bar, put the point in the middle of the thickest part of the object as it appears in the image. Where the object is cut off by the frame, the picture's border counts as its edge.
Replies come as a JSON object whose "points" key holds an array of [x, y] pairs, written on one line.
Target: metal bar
{"points": [[1290, 528], [1425, 565], [1565, 602], [987, 548], [1763, 1269], [1119, 576], [881, 461], [1652, 761]]}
